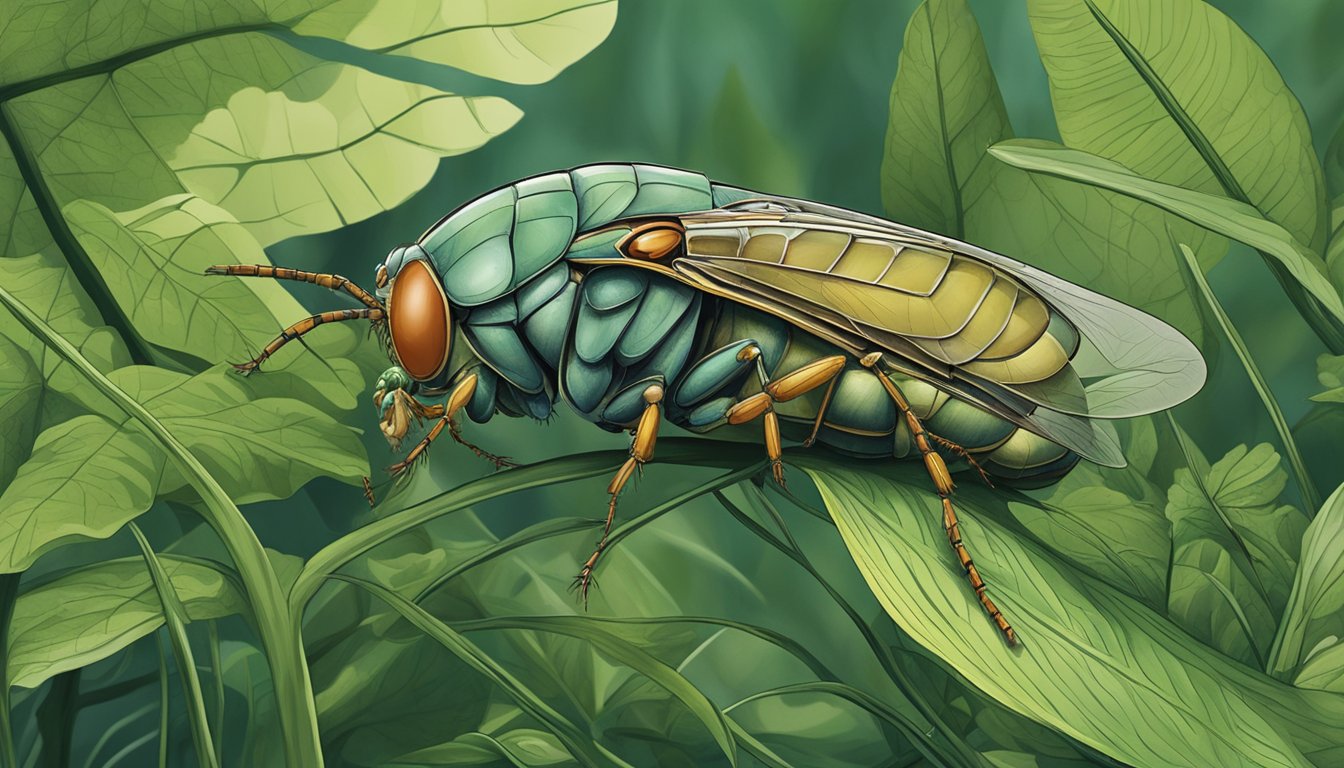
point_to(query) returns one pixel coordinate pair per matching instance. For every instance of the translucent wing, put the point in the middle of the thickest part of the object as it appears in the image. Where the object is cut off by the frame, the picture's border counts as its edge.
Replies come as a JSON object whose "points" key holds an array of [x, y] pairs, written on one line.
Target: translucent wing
{"points": [[1034, 348]]}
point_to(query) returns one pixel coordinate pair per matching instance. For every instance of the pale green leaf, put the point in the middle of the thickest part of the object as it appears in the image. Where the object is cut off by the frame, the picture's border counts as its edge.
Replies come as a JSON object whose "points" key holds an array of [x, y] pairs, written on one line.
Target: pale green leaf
{"points": [[20, 400], [1234, 550], [525, 41], [1330, 374], [153, 260], [1225, 216], [91, 613], [1176, 91], [49, 289], [1314, 619], [88, 476], [1092, 663], [85, 479]]}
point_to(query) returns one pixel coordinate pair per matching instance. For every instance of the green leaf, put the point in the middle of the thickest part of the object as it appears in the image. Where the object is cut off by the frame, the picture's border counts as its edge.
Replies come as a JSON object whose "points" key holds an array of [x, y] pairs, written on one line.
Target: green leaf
{"points": [[1234, 550], [153, 259], [523, 748], [1125, 542], [85, 479], [1092, 663], [1313, 624], [20, 404], [1205, 109], [48, 287], [89, 476], [93, 612], [1225, 216], [1330, 374], [945, 110]]}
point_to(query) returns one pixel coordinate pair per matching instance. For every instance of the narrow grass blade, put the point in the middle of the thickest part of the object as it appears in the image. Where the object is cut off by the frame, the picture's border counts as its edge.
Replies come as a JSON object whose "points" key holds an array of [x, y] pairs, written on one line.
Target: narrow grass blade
{"points": [[329, 559], [175, 623], [1309, 495], [217, 677], [279, 634], [637, 659], [578, 743], [163, 701], [9, 593]]}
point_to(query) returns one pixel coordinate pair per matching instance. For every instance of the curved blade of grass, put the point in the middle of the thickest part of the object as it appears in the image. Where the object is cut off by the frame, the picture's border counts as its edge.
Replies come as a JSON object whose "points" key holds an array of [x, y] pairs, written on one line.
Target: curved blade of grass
{"points": [[330, 558], [562, 526], [625, 652], [163, 701], [578, 743], [279, 636], [217, 675], [865, 701], [1309, 495], [1226, 216], [922, 720], [175, 622]]}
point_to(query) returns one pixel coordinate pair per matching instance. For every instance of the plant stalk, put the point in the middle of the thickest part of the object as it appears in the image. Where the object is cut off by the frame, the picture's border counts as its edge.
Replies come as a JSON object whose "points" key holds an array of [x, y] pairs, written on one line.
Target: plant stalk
{"points": [[280, 638]]}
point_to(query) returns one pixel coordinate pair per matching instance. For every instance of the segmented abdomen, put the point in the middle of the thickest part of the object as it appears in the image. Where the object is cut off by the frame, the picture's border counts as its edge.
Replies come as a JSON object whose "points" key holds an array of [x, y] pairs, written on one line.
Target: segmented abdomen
{"points": [[861, 418]]}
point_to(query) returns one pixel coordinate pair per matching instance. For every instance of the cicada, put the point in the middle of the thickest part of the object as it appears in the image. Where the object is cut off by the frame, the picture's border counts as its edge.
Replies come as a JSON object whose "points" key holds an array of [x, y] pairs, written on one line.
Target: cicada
{"points": [[636, 294]]}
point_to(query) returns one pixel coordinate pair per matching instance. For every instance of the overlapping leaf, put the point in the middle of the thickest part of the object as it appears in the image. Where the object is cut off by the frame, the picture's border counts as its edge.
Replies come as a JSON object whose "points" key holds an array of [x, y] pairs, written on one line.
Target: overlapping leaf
{"points": [[946, 111], [88, 476], [91, 613]]}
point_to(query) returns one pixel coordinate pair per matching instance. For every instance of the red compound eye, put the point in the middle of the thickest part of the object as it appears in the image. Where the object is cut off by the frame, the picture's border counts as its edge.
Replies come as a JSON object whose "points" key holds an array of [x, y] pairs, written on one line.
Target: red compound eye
{"points": [[417, 311]]}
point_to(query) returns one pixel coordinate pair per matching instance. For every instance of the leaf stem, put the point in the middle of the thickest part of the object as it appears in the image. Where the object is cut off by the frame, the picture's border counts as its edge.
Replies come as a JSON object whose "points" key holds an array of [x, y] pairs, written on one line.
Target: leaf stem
{"points": [[1308, 490], [280, 638]]}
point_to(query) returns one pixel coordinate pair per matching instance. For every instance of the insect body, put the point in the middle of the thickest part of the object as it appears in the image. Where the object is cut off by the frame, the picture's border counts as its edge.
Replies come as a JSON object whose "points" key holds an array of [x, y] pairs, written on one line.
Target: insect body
{"points": [[638, 293]]}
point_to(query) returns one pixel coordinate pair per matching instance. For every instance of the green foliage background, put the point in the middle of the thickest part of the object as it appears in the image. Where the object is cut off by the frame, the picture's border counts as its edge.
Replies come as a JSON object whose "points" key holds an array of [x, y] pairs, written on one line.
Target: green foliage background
{"points": [[194, 576]]}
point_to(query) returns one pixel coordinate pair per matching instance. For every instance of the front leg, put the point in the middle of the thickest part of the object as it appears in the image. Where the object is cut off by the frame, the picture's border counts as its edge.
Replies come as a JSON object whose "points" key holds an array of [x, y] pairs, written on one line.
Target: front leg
{"points": [[405, 404]]}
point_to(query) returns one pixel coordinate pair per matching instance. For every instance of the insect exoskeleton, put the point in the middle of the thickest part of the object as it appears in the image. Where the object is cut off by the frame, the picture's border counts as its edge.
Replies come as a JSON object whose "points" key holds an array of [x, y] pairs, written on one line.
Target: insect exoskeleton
{"points": [[636, 294]]}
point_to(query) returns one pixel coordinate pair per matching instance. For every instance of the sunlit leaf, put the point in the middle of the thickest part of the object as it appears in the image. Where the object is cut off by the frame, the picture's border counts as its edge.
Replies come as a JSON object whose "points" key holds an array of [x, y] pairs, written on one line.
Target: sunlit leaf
{"points": [[1313, 623], [20, 402]]}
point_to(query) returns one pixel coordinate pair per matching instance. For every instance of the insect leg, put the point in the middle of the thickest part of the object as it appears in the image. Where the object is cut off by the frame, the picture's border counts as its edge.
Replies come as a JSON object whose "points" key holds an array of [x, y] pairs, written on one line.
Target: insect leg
{"points": [[458, 398], [942, 480], [333, 282], [303, 326], [643, 439], [778, 390]]}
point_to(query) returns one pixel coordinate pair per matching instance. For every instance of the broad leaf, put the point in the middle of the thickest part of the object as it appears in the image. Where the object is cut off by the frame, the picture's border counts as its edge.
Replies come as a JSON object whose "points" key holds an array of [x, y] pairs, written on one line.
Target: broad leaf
{"points": [[946, 111], [1176, 91], [1225, 216], [1313, 624], [1093, 663], [88, 476], [153, 260], [1234, 550], [92, 613]]}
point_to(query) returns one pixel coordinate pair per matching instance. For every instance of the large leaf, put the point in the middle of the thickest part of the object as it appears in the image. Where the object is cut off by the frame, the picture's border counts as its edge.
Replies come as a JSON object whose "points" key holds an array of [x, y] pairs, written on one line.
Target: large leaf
{"points": [[1312, 627], [92, 613], [946, 111], [188, 103], [1225, 216], [88, 476], [153, 259], [20, 402], [1178, 92], [1092, 663]]}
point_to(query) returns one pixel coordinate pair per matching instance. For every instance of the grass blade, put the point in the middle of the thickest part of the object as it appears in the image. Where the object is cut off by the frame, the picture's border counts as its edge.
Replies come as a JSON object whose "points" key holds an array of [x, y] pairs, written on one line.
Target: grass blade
{"points": [[279, 635], [1309, 495], [217, 668], [163, 702], [175, 623], [579, 744], [634, 657], [335, 555], [9, 593]]}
